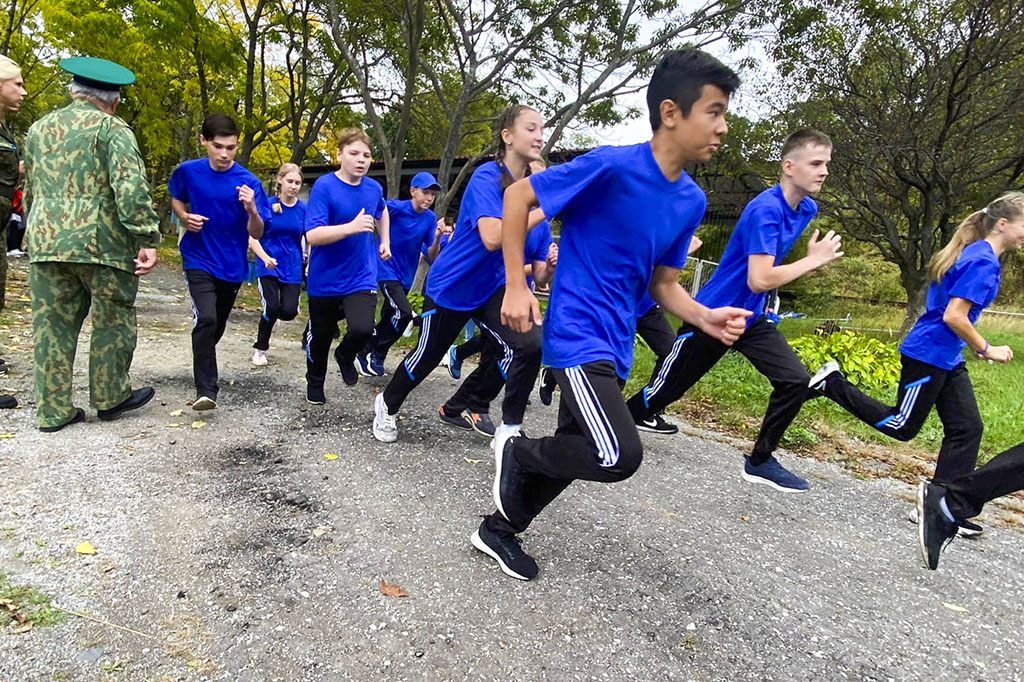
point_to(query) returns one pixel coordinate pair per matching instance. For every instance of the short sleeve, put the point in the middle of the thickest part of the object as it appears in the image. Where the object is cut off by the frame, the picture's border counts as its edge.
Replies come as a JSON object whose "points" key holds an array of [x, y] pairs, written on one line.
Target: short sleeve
{"points": [[977, 282], [177, 184], [556, 187], [378, 210], [762, 232], [317, 207], [429, 225], [675, 255], [483, 197], [261, 199]]}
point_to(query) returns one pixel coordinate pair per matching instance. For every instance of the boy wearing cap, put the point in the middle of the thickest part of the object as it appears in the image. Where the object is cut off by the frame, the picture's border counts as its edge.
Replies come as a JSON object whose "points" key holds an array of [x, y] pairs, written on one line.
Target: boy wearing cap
{"points": [[221, 204], [91, 233], [414, 230]]}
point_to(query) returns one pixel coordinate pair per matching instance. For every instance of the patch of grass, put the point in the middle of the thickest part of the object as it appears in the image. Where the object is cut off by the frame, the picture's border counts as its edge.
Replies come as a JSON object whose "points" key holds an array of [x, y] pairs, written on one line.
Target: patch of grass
{"points": [[167, 252], [33, 604]]}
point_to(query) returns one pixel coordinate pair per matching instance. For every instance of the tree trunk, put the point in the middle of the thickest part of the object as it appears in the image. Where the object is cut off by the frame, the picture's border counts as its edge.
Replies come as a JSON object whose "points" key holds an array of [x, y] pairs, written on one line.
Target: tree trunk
{"points": [[916, 285]]}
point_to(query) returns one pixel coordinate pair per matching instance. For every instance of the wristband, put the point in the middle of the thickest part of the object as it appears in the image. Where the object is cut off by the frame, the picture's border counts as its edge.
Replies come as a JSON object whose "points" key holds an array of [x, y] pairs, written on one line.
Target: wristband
{"points": [[981, 353]]}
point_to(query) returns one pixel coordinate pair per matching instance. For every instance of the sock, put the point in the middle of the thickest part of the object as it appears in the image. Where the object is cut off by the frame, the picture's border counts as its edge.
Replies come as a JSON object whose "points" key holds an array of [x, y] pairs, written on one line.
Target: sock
{"points": [[945, 509]]}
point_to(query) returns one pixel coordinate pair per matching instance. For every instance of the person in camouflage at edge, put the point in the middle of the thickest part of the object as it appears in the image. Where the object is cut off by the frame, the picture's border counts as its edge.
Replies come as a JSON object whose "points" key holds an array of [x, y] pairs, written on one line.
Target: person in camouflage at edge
{"points": [[91, 232], [12, 92]]}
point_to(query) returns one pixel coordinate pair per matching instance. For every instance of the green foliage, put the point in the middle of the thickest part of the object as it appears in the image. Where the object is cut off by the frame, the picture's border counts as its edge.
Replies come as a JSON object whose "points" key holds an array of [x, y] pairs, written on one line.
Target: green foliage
{"points": [[866, 361], [416, 301], [31, 603]]}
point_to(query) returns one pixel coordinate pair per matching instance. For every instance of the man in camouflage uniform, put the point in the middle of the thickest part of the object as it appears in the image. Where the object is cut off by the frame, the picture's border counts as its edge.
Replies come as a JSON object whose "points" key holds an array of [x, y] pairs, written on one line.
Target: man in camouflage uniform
{"points": [[91, 232], [12, 92]]}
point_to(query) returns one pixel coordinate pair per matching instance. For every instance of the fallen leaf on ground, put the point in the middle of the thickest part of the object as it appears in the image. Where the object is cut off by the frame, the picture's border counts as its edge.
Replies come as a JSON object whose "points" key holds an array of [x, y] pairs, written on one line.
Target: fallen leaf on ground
{"points": [[177, 413], [85, 548], [175, 425], [23, 628], [955, 607], [472, 461], [7, 434], [320, 532], [9, 604], [391, 590], [330, 455], [198, 424], [744, 517]]}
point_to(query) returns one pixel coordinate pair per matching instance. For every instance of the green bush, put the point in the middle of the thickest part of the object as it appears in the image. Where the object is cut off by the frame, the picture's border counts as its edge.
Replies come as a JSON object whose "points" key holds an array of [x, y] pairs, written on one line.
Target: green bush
{"points": [[866, 361]]}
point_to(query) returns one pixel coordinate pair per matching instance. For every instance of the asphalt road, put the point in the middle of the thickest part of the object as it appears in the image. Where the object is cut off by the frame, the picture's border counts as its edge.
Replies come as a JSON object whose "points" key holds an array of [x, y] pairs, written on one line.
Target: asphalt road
{"points": [[239, 551]]}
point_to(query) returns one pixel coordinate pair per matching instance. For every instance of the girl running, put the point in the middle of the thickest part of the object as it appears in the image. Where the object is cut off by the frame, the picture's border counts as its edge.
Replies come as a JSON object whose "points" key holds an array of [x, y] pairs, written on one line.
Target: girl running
{"points": [[279, 258], [467, 281], [342, 281], [965, 281]]}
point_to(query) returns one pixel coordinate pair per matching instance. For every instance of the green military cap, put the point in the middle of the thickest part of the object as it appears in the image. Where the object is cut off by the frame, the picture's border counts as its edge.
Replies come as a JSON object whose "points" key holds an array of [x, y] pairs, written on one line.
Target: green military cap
{"points": [[94, 72]]}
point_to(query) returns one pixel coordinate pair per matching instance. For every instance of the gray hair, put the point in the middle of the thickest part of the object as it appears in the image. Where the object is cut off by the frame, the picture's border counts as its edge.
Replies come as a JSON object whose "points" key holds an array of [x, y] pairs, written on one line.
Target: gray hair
{"points": [[108, 97]]}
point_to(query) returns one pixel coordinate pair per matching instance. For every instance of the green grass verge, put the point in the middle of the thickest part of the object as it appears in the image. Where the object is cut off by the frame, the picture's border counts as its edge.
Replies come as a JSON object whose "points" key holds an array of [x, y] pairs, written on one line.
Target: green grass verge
{"points": [[32, 604]]}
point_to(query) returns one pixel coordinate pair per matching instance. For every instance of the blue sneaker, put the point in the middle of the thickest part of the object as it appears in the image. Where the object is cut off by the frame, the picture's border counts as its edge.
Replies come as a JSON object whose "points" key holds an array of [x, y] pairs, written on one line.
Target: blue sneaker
{"points": [[452, 362], [364, 366], [773, 474], [376, 365]]}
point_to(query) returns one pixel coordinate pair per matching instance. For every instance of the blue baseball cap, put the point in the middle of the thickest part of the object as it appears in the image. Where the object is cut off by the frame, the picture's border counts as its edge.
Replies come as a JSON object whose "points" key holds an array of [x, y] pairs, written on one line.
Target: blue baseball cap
{"points": [[424, 180]]}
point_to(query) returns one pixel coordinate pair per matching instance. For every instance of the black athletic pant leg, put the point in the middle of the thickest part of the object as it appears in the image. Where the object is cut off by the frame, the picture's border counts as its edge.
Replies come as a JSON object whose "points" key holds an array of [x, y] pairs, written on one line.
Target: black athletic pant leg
{"points": [[768, 351], [654, 328], [693, 354], [962, 427], [395, 313], [359, 309], [516, 357], [1001, 475], [596, 440], [439, 327], [470, 348], [212, 299], [280, 301], [324, 313], [920, 385]]}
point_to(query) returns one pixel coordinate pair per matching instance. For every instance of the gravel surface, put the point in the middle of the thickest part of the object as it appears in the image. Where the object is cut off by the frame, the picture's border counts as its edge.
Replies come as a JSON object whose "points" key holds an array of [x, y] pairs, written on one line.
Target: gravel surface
{"points": [[239, 551]]}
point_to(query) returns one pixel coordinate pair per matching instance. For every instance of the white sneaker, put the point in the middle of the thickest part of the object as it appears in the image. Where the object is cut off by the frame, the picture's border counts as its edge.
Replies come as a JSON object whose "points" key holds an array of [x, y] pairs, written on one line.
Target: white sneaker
{"points": [[505, 431], [385, 426], [407, 332], [203, 403], [817, 381], [259, 357]]}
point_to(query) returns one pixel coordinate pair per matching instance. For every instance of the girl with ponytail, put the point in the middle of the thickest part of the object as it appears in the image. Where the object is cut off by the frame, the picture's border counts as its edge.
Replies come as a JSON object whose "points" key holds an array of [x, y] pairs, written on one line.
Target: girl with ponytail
{"points": [[279, 258], [965, 281]]}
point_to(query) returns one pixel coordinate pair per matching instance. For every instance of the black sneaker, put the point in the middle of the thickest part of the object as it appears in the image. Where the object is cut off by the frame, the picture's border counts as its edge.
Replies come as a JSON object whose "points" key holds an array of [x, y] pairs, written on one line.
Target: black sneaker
{"points": [[8, 402], [969, 529], [480, 422], [547, 386], [509, 478], [459, 420], [347, 368], [315, 395], [3, 367], [79, 417], [137, 399], [505, 549], [934, 529], [657, 424]]}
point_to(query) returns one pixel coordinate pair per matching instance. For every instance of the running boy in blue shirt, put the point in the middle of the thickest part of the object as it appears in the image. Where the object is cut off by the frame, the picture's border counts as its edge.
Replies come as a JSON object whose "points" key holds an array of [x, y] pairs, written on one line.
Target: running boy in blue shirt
{"points": [[750, 267], [414, 230], [627, 217], [221, 204]]}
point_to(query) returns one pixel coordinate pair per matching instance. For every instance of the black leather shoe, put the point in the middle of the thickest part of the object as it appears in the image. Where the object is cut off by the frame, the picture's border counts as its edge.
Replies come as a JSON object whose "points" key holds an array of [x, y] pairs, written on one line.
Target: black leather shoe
{"points": [[79, 417], [137, 399], [8, 402]]}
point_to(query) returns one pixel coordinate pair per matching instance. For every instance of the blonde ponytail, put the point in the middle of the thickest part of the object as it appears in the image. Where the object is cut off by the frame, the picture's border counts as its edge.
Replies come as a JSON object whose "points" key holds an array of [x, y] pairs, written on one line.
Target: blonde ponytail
{"points": [[977, 225]]}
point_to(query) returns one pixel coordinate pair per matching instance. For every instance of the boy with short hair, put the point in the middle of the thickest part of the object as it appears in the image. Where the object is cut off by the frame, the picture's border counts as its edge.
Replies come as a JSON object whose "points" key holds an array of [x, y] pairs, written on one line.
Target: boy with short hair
{"points": [[221, 204], [627, 212], [751, 266]]}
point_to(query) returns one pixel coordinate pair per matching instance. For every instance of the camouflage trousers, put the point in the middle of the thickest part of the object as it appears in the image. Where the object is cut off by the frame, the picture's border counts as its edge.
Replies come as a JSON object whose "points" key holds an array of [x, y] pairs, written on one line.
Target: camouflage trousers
{"points": [[62, 295], [5, 218]]}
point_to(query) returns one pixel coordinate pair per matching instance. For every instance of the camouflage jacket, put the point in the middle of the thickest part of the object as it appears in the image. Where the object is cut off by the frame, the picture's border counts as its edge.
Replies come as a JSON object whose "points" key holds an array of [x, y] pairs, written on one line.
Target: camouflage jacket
{"points": [[86, 191], [9, 156]]}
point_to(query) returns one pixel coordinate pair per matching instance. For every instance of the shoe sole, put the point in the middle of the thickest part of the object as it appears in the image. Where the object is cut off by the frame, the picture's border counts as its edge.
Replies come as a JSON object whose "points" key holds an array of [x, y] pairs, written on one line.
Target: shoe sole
{"points": [[920, 526], [457, 423], [771, 484], [364, 372], [482, 546], [383, 438], [202, 405], [648, 429], [112, 417], [816, 382], [961, 531], [481, 431], [316, 402], [496, 487]]}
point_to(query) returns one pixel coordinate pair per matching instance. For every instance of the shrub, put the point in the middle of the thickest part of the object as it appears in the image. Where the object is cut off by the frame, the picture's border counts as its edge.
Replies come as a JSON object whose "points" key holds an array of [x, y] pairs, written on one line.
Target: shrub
{"points": [[866, 361]]}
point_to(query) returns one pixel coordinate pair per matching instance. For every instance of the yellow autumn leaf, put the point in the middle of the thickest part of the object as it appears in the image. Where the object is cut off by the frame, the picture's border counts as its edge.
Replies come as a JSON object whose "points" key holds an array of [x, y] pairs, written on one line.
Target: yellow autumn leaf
{"points": [[472, 461], [330, 455], [198, 424], [85, 548], [955, 607], [177, 413], [7, 434], [175, 425]]}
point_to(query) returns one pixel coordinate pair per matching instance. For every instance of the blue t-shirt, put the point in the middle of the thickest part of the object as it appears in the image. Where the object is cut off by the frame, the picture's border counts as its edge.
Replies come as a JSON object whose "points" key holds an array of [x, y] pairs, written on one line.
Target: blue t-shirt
{"points": [[221, 248], [645, 305], [620, 217], [974, 277], [538, 243], [465, 274], [282, 239], [349, 264], [768, 225], [412, 233]]}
